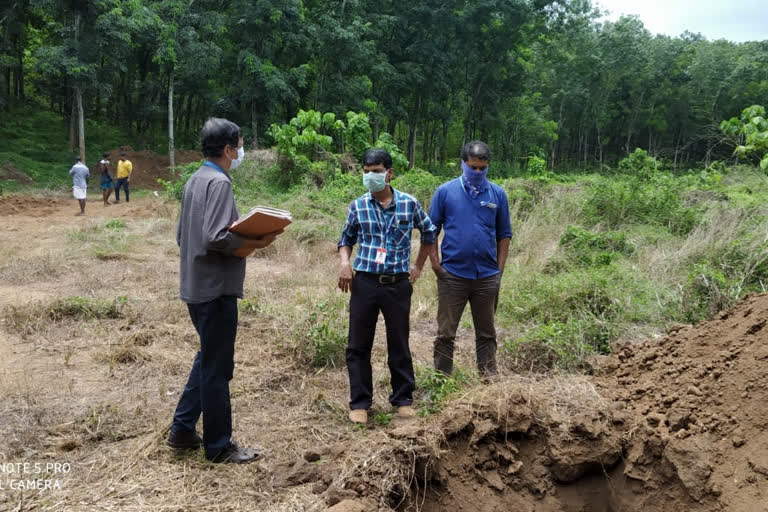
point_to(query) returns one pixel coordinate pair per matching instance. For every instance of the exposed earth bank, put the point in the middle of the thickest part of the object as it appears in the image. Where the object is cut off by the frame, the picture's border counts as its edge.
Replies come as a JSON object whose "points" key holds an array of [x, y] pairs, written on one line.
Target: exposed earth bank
{"points": [[670, 424]]}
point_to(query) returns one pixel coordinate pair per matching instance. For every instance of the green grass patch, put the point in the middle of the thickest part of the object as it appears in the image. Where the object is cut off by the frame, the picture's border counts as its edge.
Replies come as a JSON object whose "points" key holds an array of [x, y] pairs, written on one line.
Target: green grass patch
{"points": [[433, 387]]}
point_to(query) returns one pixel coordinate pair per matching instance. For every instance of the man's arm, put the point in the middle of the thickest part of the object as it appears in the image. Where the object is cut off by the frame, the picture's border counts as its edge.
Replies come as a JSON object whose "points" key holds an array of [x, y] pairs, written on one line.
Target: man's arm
{"points": [[425, 250], [345, 268], [503, 230], [428, 231], [347, 241], [437, 216], [502, 250], [130, 170], [216, 220]]}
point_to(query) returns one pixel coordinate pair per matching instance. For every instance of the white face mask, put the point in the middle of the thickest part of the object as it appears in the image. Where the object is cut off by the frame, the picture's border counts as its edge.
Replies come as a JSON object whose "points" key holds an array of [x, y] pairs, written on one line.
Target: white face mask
{"points": [[237, 161]]}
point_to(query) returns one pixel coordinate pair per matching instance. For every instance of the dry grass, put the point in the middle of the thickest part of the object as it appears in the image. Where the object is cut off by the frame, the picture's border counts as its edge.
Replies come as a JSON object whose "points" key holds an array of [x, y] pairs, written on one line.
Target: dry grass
{"points": [[537, 239], [98, 390]]}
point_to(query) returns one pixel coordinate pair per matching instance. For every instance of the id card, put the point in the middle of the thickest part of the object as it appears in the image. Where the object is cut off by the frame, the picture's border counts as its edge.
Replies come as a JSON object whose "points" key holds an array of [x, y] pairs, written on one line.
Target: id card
{"points": [[381, 255]]}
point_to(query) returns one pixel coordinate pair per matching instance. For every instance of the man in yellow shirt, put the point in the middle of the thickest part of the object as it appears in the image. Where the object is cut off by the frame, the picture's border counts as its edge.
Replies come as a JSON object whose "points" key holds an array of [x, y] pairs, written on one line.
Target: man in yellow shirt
{"points": [[124, 169]]}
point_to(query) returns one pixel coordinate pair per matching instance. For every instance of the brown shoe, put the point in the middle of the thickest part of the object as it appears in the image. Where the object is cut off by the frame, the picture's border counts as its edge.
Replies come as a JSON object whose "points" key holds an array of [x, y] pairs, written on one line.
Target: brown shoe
{"points": [[358, 416], [406, 411]]}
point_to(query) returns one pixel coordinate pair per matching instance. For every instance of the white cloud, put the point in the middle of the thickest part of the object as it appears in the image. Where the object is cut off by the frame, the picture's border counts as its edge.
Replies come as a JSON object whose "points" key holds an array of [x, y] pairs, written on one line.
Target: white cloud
{"points": [[714, 19]]}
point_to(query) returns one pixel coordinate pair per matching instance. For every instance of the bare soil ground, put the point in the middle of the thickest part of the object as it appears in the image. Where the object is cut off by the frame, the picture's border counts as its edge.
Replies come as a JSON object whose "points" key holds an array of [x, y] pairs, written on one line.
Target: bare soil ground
{"points": [[669, 424], [148, 166]]}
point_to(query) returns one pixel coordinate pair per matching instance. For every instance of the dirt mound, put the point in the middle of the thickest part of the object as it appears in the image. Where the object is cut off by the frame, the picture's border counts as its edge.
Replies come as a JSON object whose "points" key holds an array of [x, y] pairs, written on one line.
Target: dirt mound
{"points": [[33, 206], [148, 166], [676, 423], [698, 398], [9, 172]]}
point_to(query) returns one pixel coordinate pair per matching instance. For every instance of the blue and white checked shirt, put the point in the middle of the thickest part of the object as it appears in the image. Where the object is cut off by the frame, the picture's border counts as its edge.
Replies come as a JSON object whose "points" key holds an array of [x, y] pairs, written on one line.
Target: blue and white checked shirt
{"points": [[375, 227]]}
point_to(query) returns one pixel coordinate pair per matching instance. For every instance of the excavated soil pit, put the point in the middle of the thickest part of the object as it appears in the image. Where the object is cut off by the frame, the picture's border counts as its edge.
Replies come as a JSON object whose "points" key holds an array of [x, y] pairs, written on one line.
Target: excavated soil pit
{"points": [[671, 424]]}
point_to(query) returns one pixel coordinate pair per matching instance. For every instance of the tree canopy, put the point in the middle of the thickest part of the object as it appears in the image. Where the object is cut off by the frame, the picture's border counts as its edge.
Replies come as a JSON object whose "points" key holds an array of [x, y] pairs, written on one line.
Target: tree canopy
{"points": [[537, 78]]}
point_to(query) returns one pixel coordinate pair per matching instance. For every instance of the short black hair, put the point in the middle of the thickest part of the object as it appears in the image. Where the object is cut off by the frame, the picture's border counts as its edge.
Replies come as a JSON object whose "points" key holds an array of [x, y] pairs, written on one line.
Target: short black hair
{"points": [[217, 133], [476, 149], [122, 154], [376, 156], [105, 155]]}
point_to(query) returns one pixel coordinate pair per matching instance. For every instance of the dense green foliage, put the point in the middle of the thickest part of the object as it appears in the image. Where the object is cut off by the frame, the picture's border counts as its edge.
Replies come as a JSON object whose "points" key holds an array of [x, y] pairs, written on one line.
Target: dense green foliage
{"points": [[535, 78], [594, 257]]}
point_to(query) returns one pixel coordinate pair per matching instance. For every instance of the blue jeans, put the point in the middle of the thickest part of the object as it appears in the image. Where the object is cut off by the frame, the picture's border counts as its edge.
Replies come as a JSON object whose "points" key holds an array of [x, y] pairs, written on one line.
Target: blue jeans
{"points": [[122, 182], [207, 389]]}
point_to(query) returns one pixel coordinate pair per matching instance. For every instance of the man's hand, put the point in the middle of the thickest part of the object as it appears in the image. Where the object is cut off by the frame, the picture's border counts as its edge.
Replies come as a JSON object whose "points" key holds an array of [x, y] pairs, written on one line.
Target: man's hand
{"points": [[345, 276], [437, 269], [260, 242], [414, 273]]}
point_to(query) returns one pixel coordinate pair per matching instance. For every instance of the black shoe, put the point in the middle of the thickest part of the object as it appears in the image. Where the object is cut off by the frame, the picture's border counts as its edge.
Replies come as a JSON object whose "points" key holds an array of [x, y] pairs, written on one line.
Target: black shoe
{"points": [[184, 440], [235, 454]]}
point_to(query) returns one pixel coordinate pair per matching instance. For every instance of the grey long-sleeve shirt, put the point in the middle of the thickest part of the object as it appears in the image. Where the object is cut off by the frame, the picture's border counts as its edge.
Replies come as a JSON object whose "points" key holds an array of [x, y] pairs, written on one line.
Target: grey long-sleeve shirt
{"points": [[208, 268]]}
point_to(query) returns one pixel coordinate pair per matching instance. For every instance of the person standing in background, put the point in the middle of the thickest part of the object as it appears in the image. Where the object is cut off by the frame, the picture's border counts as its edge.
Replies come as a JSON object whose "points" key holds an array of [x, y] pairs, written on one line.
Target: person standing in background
{"points": [[124, 170], [80, 175], [105, 179]]}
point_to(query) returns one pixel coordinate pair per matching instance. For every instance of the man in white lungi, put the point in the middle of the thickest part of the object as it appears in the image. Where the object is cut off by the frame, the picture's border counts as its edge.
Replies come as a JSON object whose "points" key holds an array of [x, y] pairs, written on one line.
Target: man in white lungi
{"points": [[80, 174]]}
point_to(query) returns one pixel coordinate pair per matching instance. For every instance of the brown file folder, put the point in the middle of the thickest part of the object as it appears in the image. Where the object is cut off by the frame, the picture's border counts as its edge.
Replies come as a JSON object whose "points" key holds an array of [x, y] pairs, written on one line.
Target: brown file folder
{"points": [[260, 221]]}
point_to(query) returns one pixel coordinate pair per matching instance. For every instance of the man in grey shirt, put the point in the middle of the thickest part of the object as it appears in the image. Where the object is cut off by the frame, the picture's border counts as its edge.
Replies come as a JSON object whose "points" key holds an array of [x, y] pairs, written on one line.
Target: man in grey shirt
{"points": [[80, 174], [211, 282]]}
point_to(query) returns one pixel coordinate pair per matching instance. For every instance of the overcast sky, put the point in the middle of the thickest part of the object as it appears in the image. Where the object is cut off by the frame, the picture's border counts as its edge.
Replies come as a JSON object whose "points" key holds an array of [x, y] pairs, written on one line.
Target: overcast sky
{"points": [[746, 20]]}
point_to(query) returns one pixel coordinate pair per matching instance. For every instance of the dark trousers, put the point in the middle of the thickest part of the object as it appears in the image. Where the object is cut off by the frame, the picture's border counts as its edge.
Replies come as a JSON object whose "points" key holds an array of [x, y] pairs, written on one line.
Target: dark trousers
{"points": [[207, 389], [122, 182], [453, 292], [368, 297]]}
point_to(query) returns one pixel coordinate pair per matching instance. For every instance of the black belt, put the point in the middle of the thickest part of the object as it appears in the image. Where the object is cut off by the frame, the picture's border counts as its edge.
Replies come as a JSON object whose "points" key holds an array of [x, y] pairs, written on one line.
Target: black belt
{"points": [[385, 278]]}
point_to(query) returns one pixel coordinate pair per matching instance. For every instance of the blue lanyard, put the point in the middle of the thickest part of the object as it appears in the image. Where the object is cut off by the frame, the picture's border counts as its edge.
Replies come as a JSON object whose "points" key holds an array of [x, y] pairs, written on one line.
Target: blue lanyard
{"points": [[381, 219], [211, 164], [464, 186]]}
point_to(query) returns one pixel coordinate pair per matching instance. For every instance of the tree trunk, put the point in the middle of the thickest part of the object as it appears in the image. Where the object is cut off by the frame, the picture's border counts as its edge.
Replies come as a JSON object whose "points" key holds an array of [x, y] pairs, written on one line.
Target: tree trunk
{"points": [[443, 143], [188, 114], [411, 145], [171, 153], [80, 123], [254, 125], [72, 127], [391, 127], [20, 72]]}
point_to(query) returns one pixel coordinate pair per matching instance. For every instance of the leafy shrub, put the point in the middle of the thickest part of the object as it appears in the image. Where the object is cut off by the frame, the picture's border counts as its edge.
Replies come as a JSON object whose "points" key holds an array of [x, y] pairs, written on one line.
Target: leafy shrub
{"points": [[114, 224], [322, 336], [174, 188], [706, 292], [419, 183], [657, 199], [357, 134], [537, 165], [639, 163], [594, 249], [399, 160], [750, 134], [564, 345], [433, 387]]}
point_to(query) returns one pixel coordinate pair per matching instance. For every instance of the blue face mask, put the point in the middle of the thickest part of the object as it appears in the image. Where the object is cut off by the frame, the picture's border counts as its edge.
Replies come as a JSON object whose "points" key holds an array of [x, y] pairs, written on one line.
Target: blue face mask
{"points": [[473, 177], [375, 181]]}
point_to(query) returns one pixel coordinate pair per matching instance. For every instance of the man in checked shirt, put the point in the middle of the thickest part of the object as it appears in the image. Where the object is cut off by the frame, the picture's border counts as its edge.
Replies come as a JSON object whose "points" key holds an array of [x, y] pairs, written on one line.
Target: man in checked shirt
{"points": [[381, 221]]}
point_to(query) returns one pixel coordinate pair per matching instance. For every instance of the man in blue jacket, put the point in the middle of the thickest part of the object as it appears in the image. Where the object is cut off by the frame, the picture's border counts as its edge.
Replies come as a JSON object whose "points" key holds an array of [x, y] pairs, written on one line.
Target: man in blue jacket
{"points": [[474, 213]]}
